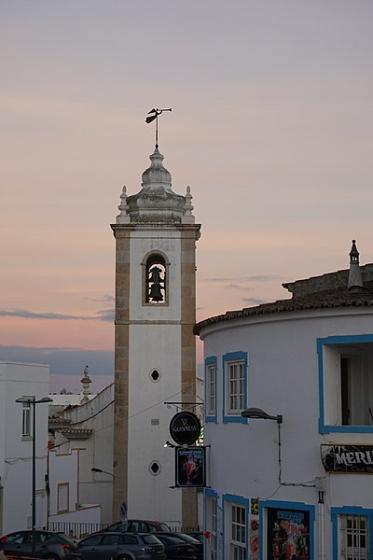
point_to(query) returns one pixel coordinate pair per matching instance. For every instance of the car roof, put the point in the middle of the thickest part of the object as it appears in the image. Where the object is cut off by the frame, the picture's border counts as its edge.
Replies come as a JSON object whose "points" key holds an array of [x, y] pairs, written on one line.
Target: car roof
{"points": [[122, 533]]}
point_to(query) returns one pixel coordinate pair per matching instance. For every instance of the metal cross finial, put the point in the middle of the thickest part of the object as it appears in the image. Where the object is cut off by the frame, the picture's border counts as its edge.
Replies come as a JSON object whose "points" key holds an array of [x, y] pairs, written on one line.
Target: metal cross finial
{"points": [[153, 115]]}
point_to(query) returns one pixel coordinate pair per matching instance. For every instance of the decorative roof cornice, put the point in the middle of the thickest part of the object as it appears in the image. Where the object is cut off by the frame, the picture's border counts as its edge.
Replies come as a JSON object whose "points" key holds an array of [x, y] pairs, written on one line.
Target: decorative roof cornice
{"points": [[77, 433]]}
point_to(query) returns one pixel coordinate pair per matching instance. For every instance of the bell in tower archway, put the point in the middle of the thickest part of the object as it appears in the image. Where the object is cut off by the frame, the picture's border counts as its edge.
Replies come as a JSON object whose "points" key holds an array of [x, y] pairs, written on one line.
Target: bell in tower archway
{"points": [[156, 283]]}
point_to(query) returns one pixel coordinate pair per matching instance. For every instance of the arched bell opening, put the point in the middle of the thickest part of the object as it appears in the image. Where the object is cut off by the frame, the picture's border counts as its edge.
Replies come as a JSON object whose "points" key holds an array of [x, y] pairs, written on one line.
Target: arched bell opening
{"points": [[155, 279]]}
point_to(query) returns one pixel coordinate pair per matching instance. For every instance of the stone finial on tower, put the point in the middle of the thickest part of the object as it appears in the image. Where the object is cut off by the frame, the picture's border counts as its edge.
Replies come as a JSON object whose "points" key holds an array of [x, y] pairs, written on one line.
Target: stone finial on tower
{"points": [[123, 217], [188, 217], [85, 381], [355, 280]]}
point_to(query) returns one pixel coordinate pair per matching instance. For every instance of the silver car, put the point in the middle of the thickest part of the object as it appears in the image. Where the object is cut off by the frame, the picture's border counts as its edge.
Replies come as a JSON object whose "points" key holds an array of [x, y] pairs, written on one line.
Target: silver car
{"points": [[54, 546], [121, 546]]}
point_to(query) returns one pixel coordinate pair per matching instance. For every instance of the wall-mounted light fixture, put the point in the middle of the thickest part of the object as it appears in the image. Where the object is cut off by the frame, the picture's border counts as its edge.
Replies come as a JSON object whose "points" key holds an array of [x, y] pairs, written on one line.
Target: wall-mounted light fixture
{"points": [[260, 414]]}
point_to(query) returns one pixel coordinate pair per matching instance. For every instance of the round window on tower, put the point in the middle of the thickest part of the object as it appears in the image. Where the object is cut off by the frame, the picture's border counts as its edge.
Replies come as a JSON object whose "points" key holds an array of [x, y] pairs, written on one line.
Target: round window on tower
{"points": [[155, 375], [154, 468]]}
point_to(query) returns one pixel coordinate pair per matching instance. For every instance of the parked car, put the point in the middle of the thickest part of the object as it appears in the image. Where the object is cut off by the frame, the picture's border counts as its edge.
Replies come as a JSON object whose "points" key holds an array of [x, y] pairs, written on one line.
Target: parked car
{"points": [[199, 535], [137, 526], [178, 548], [54, 546], [198, 545], [2, 555], [121, 546]]}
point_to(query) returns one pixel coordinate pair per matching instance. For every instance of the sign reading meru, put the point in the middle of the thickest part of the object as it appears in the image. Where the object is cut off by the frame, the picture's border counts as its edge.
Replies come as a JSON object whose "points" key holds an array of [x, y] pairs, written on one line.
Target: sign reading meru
{"points": [[347, 458]]}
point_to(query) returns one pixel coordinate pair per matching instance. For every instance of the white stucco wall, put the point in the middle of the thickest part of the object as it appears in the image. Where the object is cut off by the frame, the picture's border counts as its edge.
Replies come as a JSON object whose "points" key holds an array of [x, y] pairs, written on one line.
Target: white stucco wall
{"points": [[86, 515], [95, 451], [17, 380], [63, 468], [283, 378], [154, 343]]}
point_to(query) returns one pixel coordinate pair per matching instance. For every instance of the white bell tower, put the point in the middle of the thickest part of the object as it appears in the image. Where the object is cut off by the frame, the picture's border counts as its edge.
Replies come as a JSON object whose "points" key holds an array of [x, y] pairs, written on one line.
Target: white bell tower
{"points": [[155, 357]]}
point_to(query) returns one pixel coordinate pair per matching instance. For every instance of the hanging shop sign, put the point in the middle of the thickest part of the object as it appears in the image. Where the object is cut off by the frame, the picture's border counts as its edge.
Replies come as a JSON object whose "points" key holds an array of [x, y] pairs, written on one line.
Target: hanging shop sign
{"points": [[347, 458], [190, 467], [185, 428]]}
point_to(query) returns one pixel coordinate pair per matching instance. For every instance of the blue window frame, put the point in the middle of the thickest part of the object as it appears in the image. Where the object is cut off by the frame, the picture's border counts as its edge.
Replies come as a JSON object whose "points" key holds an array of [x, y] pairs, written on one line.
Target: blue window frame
{"points": [[211, 385], [340, 534], [236, 517], [336, 385], [235, 365], [266, 505]]}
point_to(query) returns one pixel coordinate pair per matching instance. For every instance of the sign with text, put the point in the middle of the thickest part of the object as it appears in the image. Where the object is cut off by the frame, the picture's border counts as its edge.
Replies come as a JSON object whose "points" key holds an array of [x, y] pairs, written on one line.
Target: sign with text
{"points": [[347, 458], [190, 467], [185, 428]]}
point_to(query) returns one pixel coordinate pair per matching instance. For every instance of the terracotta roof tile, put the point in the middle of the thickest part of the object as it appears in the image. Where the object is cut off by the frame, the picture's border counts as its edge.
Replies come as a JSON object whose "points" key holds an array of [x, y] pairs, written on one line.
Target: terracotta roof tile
{"points": [[320, 300]]}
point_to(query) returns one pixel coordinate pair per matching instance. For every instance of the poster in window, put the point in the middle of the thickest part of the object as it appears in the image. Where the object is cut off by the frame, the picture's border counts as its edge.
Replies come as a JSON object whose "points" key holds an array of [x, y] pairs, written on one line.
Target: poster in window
{"points": [[190, 466], [288, 534]]}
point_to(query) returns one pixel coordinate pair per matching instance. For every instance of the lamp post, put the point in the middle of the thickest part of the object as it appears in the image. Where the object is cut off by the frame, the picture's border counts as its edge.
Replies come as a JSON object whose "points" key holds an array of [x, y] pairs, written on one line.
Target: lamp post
{"points": [[33, 401]]}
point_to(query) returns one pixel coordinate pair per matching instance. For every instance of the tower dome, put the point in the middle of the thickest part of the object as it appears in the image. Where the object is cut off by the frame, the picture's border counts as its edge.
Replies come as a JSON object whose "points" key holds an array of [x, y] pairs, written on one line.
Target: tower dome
{"points": [[156, 202], [156, 176]]}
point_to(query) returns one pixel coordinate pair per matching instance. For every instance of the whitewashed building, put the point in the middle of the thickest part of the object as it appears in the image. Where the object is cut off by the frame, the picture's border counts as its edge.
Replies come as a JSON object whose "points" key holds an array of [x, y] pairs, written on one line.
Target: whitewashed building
{"points": [[154, 344], [22, 380], [82, 437], [297, 483], [66, 510]]}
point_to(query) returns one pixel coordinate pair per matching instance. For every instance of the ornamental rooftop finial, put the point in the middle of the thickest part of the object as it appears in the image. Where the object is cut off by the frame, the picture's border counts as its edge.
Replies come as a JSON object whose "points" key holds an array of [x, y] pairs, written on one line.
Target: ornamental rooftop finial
{"points": [[156, 202], [86, 382], [355, 280], [153, 114]]}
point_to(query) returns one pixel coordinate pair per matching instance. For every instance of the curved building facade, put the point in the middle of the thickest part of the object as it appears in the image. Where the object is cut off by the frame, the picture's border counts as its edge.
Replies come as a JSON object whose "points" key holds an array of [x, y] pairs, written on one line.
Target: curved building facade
{"points": [[292, 480]]}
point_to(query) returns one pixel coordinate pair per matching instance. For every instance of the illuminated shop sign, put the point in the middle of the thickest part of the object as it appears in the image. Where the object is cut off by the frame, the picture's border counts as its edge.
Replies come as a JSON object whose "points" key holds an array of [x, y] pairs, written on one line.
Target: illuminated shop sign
{"points": [[190, 466]]}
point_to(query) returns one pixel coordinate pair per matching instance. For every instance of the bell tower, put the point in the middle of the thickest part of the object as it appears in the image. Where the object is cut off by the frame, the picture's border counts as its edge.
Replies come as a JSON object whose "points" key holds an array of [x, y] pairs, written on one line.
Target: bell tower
{"points": [[155, 359]]}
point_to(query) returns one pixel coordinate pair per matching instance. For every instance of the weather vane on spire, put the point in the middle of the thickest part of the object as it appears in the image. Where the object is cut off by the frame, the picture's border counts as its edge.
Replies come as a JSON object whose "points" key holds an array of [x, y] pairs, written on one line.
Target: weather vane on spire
{"points": [[153, 115]]}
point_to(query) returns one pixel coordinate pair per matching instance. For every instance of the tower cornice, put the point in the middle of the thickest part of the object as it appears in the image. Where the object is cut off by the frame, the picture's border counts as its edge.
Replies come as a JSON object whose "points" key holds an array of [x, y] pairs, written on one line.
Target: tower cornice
{"points": [[188, 230]]}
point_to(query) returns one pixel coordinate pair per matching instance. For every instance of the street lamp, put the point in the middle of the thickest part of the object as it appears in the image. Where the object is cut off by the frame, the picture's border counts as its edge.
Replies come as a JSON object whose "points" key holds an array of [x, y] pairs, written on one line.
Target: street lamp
{"points": [[260, 414], [95, 469], [33, 401]]}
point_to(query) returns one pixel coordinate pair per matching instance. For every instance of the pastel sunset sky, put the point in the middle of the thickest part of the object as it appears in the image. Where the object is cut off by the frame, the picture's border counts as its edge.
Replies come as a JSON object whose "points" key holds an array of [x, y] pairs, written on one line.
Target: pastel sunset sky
{"points": [[271, 127]]}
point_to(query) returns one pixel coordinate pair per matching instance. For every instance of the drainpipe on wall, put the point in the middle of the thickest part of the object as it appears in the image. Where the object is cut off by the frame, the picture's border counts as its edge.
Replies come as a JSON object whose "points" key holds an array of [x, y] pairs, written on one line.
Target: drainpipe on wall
{"points": [[47, 488], [320, 486], [1, 507]]}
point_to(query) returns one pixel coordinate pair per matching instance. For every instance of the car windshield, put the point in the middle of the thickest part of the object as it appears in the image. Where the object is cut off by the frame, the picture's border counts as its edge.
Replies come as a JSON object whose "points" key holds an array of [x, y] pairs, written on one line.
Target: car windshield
{"points": [[16, 538], [91, 541], [58, 537], [170, 539], [189, 539], [120, 526], [150, 539]]}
